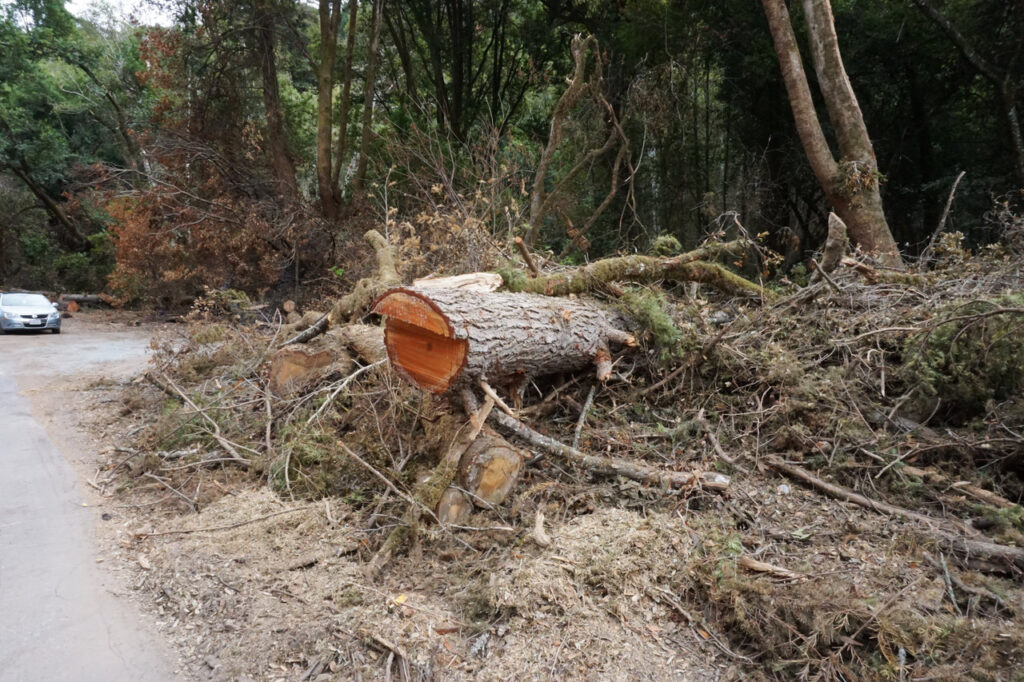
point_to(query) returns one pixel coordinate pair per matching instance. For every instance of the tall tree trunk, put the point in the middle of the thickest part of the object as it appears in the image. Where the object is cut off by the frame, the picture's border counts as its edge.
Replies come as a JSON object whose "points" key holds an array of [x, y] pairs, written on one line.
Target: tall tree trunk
{"points": [[1005, 83], [346, 95], [330, 16], [402, 41], [1008, 95], [851, 183], [277, 142], [371, 78]]}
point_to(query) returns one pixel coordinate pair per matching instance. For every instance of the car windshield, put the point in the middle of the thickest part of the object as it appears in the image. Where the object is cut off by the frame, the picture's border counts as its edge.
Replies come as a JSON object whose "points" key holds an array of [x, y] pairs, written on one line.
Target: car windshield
{"points": [[24, 300]]}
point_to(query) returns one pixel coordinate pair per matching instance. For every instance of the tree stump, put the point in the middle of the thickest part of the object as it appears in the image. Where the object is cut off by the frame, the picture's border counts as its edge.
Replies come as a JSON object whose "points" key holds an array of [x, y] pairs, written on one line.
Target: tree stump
{"points": [[444, 339]]}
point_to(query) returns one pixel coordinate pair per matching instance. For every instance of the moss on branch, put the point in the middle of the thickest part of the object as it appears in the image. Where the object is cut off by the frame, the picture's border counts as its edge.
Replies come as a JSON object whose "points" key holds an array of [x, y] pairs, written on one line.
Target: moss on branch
{"points": [[694, 266]]}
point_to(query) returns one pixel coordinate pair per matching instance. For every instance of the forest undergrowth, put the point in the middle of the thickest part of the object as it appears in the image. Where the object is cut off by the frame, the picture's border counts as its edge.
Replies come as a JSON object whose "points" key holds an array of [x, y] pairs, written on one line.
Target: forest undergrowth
{"points": [[871, 426]]}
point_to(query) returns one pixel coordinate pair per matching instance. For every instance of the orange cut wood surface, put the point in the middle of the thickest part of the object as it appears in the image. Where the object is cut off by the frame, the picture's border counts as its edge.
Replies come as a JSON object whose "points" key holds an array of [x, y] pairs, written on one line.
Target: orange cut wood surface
{"points": [[419, 341], [413, 310], [429, 360]]}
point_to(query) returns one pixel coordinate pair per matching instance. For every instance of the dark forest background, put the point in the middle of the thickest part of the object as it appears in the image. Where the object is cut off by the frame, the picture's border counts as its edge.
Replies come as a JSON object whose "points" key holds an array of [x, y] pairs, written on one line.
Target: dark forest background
{"points": [[251, 143]]}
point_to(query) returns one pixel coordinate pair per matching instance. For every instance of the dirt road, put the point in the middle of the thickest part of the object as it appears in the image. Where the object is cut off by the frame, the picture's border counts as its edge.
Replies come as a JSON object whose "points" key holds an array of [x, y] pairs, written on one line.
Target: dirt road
{"points": [[59, 617]]}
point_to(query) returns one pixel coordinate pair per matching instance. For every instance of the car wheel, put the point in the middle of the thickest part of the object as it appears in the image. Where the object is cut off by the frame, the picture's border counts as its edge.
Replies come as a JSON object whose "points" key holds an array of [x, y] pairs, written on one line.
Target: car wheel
{"points": [[57, 330]]}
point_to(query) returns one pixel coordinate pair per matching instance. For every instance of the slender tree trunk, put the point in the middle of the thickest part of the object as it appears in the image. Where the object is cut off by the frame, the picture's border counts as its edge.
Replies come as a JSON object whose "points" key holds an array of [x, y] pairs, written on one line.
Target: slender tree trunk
{"points": [[401, 40], [371, 78], [1011, 113], [277, 143], [330, 13], [851, 184], [346, 95]]}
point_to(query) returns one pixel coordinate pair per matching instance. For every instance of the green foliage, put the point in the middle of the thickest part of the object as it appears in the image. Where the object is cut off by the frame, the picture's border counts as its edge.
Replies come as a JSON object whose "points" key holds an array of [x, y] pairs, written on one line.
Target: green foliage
{"points": [[37, 248], [650, 312], [1007, 523], [970, 356]]}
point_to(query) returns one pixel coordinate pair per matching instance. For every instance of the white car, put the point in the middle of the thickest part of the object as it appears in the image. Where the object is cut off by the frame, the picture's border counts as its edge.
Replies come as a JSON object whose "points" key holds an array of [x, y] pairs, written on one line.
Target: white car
{"points": [[28, 311]]}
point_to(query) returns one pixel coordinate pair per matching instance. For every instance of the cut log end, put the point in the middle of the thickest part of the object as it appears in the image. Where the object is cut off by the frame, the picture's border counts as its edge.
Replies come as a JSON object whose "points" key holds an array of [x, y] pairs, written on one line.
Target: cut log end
{"points": [[419, 341]]}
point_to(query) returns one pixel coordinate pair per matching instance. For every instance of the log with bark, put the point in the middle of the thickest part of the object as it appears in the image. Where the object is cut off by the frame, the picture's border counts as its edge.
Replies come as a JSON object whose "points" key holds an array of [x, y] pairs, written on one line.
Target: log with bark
{"points": [[440, 339], [295, 366], [487, 472]]}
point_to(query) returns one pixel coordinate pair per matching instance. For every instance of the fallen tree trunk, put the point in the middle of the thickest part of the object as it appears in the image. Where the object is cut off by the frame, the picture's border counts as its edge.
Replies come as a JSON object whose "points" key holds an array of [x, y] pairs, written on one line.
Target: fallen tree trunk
{"points": [[439, 339], [366, 341], [936, 478], [490, 468], [292, 367], [93, 299]]}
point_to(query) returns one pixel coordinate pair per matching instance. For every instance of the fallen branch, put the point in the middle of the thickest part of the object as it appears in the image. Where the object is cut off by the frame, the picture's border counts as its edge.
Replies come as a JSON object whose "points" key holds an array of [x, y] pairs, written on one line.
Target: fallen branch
{"points": [[227, 445], [986, 496], [351, 307], [875, 276], [980, 592], [311, 332], [694, 266], [583, 417], [752, 564], [611, 466], [156, 381], [840, 493], [191, 503], [949, 533], [143, 536], [524, 250]]}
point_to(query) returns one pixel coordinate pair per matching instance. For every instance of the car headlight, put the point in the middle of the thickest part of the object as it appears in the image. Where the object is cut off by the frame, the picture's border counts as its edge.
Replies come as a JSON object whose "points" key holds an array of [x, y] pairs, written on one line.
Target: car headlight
{"points": [[10, 316], [54, 315]]}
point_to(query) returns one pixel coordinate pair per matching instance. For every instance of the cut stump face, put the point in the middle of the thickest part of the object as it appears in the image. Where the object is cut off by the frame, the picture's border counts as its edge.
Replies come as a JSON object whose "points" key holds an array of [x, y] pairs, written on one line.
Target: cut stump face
{"points": [[420, 341]]}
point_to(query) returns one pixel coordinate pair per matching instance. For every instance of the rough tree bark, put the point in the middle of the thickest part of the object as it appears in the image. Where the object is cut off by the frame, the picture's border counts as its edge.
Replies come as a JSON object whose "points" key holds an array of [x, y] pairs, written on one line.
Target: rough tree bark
{"points": [[851, 182], [277, 142], [330, 16], [368, 91], [440, 339]]}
